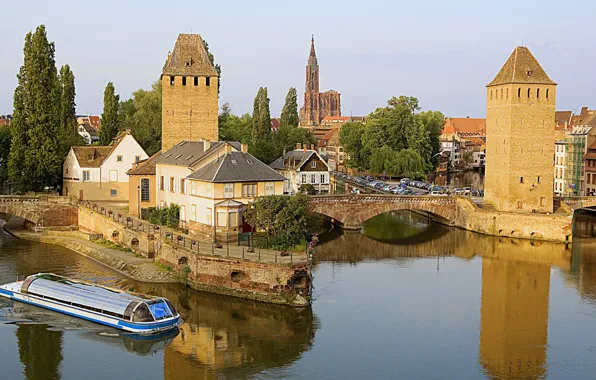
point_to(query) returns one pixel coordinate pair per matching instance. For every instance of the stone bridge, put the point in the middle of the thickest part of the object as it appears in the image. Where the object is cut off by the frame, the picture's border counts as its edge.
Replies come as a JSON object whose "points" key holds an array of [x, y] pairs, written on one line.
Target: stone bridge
{"points": [[352, 210], [574, 203], [40, 210]]}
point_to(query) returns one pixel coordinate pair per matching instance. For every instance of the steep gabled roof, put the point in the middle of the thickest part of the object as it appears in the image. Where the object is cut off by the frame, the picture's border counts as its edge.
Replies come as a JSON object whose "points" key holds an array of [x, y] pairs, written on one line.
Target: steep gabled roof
{"points": [[521, 68], [236, 167], [187, 153], [145, 167], [91, 156], [189, 58]]}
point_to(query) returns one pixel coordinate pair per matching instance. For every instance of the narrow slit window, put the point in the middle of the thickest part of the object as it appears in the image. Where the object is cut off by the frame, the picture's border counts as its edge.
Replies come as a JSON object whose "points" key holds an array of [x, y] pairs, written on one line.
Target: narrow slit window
{"points": [[547, 93], [207, 81], [184, 81], [538, 94], [521, 179], [528, 93], [519, 92], [171, 80], [196, 81]]}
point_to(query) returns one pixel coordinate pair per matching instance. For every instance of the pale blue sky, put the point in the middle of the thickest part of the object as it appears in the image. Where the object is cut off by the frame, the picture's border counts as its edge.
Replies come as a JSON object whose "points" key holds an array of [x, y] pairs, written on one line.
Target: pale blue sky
{"points": [[444, 52]]}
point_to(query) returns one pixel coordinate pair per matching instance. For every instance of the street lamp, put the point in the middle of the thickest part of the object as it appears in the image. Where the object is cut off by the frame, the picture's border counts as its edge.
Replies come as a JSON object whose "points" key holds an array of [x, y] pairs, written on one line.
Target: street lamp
{"points": [[139, 201]]}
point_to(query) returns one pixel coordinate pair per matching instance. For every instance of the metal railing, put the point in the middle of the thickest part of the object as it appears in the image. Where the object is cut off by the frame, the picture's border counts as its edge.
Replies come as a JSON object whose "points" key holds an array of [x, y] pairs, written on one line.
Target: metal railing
{"points": [[192, 245]]}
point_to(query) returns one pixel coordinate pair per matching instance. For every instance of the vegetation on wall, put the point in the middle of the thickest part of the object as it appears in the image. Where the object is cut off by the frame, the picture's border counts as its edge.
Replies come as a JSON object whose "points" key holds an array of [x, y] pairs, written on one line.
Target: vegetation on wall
{"points": [[164, 216]]}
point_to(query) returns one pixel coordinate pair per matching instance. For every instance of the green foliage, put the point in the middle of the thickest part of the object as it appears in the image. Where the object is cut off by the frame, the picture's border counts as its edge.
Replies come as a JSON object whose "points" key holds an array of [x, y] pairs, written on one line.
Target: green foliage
{"points": [[110, 117], [398, 127], [287, 137], [216, 66], [307, 188], [5, 141], [234, 128], [35, 160], [283, 218], [261, 118], [141, 114], [111, 245], [289, 113], [164, 216], [350, 137], [69, 135]]}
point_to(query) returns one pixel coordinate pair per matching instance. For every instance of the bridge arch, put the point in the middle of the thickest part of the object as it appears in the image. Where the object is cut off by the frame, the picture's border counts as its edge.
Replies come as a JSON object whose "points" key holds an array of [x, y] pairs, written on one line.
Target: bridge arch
{"points": [[353, 210], [29, 216]]}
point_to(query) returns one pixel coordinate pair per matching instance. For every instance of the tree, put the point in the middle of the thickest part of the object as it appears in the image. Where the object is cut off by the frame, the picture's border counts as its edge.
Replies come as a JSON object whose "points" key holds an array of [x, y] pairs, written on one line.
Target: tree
{"points": [[287, 137], [5, 141], [110, 117], [35, 161], [433, 122], [289, 113], [409, 163], [307, 188], [383, 161], [350, 137], [283, 218], [216, 66], [261, 118], [141, 114], [68, 134]]}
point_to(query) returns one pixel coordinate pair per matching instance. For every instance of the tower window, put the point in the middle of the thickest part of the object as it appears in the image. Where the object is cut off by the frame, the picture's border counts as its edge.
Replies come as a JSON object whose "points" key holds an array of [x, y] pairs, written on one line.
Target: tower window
{"points": [[519, 92], [547, 93], [171, 80], [207, 81], [491, 94], [538, 94], [507, 93], [521, 179], [184, 81], [528, 93], [538, 180], [501, 93], [196, 79]]}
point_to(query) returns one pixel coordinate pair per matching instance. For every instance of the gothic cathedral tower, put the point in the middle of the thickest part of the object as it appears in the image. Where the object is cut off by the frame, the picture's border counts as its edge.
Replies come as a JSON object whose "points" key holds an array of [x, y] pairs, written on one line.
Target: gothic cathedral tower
{"points": [[317, 105], [189, 94], [520, 114]]}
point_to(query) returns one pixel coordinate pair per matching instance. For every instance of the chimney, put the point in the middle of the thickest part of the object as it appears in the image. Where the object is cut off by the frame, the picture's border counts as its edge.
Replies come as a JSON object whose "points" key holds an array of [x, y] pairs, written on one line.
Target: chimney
{"points": [[284, 152], [206, 145], [298, 146], [244, 148], [312, 146], [228, 148], [304, 146]]}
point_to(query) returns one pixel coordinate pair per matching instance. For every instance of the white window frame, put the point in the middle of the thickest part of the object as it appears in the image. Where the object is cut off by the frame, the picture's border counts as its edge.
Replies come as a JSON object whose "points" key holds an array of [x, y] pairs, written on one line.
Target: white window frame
{"points": [[313, 179], [209, 216], [86, 173], [303, 178], [209, 190], [113, 175], [113, 193], [146, 191], [269, 188], [193, 213], [119, 158], [313, 164], [228, 190]]}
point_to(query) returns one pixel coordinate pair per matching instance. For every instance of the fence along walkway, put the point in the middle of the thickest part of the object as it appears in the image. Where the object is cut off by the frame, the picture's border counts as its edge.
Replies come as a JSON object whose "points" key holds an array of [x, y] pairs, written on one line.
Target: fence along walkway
{"points": [[195, 246]]}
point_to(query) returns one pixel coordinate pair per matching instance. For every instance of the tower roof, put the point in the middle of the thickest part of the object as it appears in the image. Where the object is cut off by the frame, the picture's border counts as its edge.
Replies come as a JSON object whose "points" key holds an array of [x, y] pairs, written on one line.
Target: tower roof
{"points": [[312, 58], [522, 68], [189, 58]]}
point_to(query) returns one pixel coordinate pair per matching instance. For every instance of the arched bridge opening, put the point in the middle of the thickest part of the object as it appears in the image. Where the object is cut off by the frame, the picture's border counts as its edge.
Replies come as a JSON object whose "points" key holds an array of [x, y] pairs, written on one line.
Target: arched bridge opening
{"points": [[350, 211]]}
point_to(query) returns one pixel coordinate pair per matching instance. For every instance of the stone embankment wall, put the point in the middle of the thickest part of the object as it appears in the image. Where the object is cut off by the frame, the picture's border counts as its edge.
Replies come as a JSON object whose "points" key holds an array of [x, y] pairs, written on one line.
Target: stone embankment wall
{"points": [[263, 276], [557, 228]]}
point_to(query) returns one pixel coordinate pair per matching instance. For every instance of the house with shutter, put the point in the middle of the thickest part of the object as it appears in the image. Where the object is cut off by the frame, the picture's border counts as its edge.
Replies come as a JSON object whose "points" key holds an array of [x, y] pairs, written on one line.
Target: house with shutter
{"points": [[98, 173], [212, 183], [302, 166]]}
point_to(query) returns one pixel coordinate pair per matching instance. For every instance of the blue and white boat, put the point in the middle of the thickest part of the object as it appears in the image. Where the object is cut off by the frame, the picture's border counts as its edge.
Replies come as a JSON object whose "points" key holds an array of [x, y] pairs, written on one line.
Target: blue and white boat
{"points": [[112, 307]]}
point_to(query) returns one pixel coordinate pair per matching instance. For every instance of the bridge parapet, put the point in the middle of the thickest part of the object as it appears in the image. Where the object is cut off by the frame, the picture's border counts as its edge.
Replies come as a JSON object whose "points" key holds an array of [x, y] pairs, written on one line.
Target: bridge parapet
{"points": [[577, 202], [41, 210]]}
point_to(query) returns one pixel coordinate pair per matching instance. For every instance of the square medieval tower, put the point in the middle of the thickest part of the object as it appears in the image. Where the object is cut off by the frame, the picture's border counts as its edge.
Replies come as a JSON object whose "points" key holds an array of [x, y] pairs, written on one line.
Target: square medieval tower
{"points": [[520, 114], [189, 104]]}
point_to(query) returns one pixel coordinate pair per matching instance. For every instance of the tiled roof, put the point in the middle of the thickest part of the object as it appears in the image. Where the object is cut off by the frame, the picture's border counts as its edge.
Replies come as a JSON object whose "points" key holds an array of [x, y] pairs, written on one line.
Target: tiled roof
{"points": [[562, 117], [91, 156], [187, 153], [292, 160], [465, 125], [189, 58], [145, 167], [522, 68], [236, 167]]}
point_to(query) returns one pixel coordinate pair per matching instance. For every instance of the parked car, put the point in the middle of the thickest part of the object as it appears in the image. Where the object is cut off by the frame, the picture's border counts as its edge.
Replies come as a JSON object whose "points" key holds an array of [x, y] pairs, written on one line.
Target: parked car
{"points": [[437, 194]]}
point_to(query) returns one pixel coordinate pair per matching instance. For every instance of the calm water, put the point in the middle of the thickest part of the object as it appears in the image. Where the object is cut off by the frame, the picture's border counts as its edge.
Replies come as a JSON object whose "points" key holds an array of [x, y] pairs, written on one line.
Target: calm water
{"points": [[411, 301]]}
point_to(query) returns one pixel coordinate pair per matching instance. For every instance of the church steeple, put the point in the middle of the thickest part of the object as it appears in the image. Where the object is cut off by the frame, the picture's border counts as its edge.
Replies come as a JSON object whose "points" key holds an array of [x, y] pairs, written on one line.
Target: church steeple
{"points": [[312, 58]]}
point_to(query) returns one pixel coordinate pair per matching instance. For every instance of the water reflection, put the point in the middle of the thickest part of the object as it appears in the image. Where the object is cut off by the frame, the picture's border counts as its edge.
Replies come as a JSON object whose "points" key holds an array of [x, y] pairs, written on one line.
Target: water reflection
{"points": [[40, 351]]}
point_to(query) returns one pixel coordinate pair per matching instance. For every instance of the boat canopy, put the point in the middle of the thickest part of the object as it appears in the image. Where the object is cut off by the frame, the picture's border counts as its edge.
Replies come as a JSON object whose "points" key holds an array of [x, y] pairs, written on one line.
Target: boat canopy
{"points": [[97, 298]]}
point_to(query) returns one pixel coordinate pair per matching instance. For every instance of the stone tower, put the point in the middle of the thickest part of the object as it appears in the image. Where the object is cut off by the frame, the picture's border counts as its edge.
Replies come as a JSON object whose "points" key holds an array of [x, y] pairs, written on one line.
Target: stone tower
{"points": [[520, 112], [317, 105], [189, 94]]}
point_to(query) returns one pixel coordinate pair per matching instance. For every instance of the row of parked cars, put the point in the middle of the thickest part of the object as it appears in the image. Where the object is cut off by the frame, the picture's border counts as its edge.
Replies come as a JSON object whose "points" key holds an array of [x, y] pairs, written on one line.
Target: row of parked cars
{"points": [[406, 186]]}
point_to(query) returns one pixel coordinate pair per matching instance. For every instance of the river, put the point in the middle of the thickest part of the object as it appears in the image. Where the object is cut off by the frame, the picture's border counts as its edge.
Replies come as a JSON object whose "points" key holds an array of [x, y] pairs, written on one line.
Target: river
{"points": [[403, 299]]}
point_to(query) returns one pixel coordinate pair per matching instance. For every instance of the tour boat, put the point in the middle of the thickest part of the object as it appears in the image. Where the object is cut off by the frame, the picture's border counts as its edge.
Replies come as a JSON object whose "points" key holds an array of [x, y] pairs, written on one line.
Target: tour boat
{"points": [[112, 307]]}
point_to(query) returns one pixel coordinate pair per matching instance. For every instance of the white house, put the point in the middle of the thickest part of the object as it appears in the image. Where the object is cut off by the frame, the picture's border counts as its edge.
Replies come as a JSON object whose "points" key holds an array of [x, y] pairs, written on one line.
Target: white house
{"points": [[88, 133], [98, 173], [300, 167]]}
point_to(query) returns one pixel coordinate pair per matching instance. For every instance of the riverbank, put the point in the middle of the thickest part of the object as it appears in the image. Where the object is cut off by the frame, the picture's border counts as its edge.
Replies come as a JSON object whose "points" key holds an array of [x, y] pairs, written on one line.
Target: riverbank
{"points": [[126, 263]]}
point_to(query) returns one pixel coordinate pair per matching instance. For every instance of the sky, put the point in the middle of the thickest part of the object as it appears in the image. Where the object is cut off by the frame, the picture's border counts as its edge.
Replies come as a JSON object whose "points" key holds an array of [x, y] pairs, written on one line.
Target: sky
{"points": [[442, 52]]}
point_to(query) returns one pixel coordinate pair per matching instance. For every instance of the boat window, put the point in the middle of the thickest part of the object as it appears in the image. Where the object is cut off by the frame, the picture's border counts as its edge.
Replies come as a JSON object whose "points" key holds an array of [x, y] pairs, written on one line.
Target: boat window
{"points": [[159, 310], [172, 309], [142, 314]]}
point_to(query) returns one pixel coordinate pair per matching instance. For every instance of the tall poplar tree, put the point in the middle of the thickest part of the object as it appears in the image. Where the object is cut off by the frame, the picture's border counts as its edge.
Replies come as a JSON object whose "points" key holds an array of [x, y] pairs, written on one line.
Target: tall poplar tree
{"points": [[35, 160], [261, 118], [68, 120], [110, 115], [289, 114], [216, 66]]}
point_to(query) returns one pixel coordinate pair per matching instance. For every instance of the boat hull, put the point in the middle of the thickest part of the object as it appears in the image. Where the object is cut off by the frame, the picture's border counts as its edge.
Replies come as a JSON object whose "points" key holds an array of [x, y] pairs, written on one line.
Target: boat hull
{"points": [[143, 328]]}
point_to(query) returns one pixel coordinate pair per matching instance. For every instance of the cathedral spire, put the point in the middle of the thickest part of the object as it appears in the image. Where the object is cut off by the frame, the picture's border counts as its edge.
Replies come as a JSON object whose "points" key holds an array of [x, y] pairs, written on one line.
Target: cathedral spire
{"points": [[312, 47]]}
